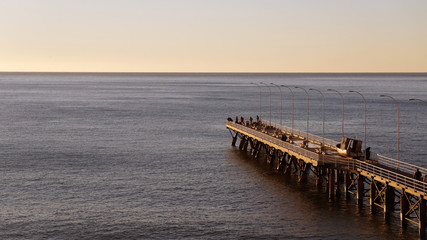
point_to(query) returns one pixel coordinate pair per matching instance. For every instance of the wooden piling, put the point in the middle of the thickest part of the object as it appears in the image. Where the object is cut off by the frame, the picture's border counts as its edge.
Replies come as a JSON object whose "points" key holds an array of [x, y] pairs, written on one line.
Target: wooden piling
{"points": [[319, 178], [347, 183], [289, 163], [404, 207], [242, 142], [303, 167], [233, 141], [331, 183], [280, 162], [422, 212], [373, 194], [339, 180], [340, 175], [389, 196], [258, 149], [360, 189], [245, 145], [251, 142], [254, 147]]}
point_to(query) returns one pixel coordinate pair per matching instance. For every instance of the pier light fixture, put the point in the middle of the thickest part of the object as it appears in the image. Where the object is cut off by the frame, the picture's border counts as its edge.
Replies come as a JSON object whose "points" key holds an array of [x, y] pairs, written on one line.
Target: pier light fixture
{"points": [[265, 84], [292, 93], [364, 116], [281, 101], [308, 108], [342, 111], [397, 104], [259, 98], [323, 114], [416, 99]]}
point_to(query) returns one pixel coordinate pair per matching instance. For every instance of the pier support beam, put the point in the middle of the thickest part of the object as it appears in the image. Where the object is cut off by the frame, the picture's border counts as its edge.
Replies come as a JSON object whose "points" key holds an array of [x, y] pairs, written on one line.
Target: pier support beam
{"points": [[271, 154], [251, 142], [331, 183], [245, 145], [373, 194], [422, 212], [347, 184], [233, 141], [360, 189], [319, 176], [242, 142], [303, 167], [254, 147], [404, 207], [339, 179], [413, 209], [288, 167], [389, 196], [281, 159], [340, 175], [258, 148]]}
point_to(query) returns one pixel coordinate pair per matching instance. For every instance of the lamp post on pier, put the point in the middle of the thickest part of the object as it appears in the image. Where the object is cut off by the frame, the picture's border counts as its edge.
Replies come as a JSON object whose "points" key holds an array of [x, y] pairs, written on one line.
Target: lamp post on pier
{"points": [[323, 113], [342, 112], [259, 98], [416, 99], [364, 115], [397, 104], [292, 93], [270, 97], [281, 101], [308, 108]]}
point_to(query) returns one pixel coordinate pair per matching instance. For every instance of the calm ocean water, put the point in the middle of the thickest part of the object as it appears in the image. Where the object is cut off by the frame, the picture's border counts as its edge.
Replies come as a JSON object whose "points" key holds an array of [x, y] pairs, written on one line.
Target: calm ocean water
{"points": [[147, 156]]}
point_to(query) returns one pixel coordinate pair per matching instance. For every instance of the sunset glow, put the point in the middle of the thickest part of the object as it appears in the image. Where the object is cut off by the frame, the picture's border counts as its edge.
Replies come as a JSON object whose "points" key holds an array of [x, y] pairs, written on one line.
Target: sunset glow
{"points": [[213, 36]]}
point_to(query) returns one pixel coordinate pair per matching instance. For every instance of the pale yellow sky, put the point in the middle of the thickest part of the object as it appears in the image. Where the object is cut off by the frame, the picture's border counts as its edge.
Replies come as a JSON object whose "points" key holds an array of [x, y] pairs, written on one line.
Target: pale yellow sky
{"points": [[213, 36]]}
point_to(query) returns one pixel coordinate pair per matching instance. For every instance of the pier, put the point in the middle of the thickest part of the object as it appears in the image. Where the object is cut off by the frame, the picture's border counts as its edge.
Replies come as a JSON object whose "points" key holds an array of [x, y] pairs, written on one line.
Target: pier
{"points": [[390, 184]]}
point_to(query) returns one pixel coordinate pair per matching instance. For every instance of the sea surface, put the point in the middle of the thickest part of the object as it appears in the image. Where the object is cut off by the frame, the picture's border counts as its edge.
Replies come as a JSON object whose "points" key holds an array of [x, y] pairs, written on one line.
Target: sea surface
{"points": [[147, 156]]}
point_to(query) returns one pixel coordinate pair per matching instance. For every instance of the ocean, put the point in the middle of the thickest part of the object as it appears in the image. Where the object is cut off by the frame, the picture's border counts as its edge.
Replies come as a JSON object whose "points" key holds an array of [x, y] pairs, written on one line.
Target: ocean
{"points": [[147, 155]]}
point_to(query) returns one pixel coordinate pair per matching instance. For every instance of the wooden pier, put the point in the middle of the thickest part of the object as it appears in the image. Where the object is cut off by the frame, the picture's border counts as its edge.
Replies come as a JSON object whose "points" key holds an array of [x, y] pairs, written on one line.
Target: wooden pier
{"points": [[290, 150]]}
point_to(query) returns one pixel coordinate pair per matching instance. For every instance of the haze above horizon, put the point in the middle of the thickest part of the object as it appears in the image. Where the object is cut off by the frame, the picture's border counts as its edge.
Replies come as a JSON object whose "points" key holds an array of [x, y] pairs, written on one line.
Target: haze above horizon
{"points": [[213, 36]]}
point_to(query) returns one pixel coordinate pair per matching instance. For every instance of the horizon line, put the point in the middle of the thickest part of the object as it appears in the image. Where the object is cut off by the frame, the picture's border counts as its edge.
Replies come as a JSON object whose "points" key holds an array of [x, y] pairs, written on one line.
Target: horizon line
{"points": [[206, 72]]}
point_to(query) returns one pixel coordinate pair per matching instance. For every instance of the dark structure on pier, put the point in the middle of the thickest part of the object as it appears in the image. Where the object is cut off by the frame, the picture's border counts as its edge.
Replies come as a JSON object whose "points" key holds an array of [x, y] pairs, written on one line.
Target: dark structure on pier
{"points": [[289, 150]]}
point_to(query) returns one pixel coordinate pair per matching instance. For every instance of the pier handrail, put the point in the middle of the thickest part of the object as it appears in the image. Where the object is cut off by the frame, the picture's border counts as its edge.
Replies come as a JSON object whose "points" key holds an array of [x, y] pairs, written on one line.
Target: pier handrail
{"points": [[328, 142], [403, 166], [405, 181]]}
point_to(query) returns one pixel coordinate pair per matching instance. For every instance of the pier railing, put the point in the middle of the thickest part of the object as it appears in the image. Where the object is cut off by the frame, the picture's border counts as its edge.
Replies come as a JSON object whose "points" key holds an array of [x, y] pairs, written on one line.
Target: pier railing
{"points": [[400, 165], [382, 160], [296, 132], [401, 179]]}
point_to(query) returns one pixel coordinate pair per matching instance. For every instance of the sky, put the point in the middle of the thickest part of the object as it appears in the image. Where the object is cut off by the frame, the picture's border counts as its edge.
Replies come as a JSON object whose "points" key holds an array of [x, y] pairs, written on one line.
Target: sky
{"points": [[213, 35]]}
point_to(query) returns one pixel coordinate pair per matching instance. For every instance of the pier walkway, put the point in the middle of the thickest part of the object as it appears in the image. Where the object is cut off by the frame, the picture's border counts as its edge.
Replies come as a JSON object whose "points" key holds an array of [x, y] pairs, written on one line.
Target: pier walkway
{"points": [[388, 181]]}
